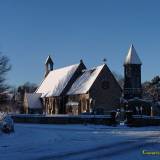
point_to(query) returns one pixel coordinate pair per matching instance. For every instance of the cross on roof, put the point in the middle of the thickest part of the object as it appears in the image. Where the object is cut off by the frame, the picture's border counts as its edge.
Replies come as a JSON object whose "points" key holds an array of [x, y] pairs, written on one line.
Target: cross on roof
{"points": [[104, 60]]}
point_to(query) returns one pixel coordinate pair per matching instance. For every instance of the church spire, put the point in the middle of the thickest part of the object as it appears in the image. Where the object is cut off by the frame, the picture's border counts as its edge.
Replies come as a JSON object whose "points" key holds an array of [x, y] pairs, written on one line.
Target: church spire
{"points": [[48, 65], [132, 57], [48, 60]]}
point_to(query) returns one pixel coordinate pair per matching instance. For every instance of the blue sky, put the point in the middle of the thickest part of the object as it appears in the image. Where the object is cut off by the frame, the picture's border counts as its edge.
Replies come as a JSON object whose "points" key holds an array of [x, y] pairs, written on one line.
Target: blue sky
{"points": [[70, 30]]}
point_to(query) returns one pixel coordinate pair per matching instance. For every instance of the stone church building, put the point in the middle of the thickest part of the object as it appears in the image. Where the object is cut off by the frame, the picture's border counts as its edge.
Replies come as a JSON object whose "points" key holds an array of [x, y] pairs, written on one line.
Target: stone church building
{"points": [[74, 90]]}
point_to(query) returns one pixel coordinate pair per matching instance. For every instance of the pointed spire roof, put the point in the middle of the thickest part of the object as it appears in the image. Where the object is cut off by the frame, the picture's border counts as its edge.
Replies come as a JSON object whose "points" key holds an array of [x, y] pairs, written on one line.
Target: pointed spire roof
{"points": [[49, 60], [132, 57]]}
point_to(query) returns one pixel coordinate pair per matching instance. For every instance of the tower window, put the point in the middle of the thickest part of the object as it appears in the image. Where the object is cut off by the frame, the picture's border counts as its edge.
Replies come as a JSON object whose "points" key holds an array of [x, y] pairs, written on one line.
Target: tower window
{"points": [[128, 72]]}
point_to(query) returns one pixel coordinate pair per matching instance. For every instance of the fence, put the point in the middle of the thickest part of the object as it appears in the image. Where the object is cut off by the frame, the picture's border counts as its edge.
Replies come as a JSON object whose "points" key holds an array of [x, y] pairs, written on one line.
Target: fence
{"points": [[142, 120], [65, 119]]}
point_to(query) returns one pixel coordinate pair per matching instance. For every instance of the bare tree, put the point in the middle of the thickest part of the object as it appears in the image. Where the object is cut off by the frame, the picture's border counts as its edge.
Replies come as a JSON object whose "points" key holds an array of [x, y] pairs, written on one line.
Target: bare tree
{"points": [[4, 68], [151, 89]]}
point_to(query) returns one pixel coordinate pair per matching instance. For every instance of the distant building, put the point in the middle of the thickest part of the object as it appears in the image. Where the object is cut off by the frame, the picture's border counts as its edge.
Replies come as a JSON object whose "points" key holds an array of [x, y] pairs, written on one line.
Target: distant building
{"points": [[132, 75], [74, 90], [32, 103]]}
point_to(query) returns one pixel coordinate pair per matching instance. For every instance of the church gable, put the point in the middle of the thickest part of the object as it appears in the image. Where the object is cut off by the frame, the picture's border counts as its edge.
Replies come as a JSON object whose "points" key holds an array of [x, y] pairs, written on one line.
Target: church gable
{"points": [[85, 81], [105, 91], [106, 80]]}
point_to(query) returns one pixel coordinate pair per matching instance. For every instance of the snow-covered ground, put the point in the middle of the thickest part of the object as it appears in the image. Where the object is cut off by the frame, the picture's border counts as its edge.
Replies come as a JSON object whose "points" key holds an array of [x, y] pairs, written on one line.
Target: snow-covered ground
{"points": [[79, 142]]}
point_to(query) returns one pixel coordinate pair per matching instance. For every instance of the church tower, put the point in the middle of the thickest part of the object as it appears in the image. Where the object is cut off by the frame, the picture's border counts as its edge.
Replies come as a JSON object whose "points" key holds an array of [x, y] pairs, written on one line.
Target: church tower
{"points": [[48, 65], [132, 75]]}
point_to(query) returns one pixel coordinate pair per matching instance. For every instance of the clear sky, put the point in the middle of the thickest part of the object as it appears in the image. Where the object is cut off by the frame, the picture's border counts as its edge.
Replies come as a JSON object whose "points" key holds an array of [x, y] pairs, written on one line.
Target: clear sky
{"points": [[70, 30]]}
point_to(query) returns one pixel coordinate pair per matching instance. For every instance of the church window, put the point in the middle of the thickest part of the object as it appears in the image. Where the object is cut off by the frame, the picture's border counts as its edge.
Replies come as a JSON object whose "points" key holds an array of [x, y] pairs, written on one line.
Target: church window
{"points": [[105, 85]]}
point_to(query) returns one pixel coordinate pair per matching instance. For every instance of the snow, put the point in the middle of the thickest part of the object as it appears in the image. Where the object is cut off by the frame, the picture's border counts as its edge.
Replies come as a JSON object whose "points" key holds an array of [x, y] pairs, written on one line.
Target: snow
{"points": [[85, 81], [33, 100], [79, 142], [2, 115], [56, 81], [132, 57]]}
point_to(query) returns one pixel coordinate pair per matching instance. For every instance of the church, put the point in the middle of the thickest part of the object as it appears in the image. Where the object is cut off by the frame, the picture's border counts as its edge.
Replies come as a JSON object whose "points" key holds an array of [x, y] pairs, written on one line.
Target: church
{"points": [[74, 89]]}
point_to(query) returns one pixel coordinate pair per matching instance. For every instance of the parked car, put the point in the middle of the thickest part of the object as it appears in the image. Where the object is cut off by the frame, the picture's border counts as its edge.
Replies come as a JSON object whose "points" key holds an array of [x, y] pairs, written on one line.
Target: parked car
{"points": [[6, 123]]}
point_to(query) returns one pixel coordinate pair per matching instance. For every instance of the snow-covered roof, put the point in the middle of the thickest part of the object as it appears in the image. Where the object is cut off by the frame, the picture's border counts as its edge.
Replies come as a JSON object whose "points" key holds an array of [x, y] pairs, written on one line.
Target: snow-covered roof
{"points": [[85, 81], [56, 81], [33, 100], [132, 57]]}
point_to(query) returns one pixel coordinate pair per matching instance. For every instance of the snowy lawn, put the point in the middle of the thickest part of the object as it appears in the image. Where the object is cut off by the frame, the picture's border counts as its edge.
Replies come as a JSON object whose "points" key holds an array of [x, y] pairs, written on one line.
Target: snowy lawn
{"points": [[78, 142]]}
